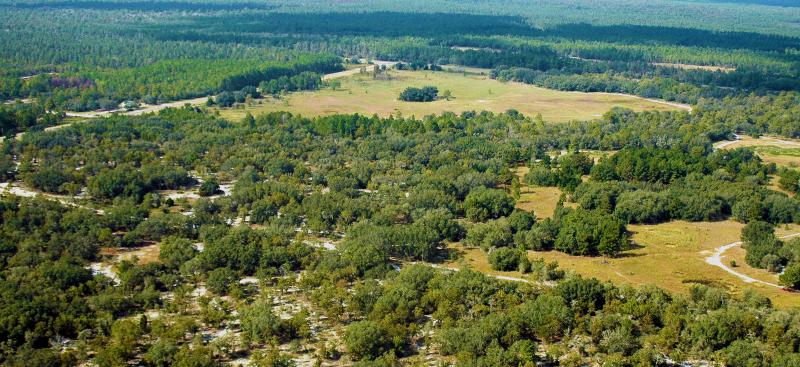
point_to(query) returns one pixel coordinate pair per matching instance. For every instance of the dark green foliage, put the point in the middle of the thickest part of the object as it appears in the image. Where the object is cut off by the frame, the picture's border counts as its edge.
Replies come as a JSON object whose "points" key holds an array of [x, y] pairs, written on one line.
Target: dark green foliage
{"points": [[759, 241], [520, 220], [583, 232], [791, 276], [565, 172], [174, 252], [304, 81], [208, 188], [366, 339], [260, 324], [583, 295], [424, 94], [496, 233], [482, 204], [505, 258], [220, 280], [642, 207]]}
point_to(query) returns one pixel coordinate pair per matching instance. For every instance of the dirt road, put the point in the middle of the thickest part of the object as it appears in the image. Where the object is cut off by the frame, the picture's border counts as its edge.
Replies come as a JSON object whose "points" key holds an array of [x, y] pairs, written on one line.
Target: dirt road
{"points": [[719, 253]]}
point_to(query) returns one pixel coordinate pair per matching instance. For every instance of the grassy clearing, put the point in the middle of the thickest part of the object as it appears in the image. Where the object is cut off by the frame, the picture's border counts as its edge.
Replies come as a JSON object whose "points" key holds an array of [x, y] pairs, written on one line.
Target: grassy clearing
{"points": [[669, 255], [541, 200], [672, 256], [365, 95], [144, 254], [764, 141], [476, 259]]}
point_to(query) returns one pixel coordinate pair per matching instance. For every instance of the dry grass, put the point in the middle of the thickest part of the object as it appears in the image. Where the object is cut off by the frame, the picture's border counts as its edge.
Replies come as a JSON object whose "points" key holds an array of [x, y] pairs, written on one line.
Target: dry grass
{"points": [[145, 254], [541, 200], [672, 256], [365, 95], [476, 259], [669, 255], [764, 141]]}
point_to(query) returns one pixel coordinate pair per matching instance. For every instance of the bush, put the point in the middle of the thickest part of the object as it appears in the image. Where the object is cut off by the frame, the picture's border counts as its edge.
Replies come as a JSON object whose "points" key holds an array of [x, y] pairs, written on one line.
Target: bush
{"points": [[496, 233], [366, 339], [208, 188], [521, 220], [176, 251], [424, 94], [482, 204], [583, 232], [505, 258], [791, 276], [220, 280], [260, 324], [642, 207]]}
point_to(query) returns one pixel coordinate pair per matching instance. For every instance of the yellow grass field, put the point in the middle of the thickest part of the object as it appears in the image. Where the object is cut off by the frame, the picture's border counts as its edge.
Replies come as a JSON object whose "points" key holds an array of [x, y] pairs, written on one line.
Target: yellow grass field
{"points": [[764, 141], [672, 256], [669, 255], [541, 200], [784, 152], [365, 95]]}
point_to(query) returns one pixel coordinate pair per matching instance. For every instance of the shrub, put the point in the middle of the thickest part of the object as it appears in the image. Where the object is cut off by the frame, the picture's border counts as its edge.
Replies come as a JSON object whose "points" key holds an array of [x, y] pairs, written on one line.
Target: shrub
{"points": [[208, 188], [424, 94], [505, 258], [482, 204], [219, 280], [366, 339], [791, 276]]}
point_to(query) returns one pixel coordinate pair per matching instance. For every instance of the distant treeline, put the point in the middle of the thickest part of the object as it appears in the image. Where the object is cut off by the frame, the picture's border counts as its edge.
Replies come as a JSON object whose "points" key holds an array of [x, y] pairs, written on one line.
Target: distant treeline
{"points": [[317, 64], [396, 24], [141, 5]]}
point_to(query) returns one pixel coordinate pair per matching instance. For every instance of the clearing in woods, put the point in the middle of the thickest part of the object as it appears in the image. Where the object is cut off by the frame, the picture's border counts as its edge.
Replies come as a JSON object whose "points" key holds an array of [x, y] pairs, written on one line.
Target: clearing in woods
{"points": [[365, 95], [672, 256], [668, 255]]}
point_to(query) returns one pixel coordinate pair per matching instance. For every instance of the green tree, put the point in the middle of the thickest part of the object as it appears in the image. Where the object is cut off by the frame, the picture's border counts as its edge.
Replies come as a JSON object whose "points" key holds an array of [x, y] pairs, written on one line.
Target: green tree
{"points": [[505, 258], [482, 204], [366, 339], [174, 252], [791, 276], [220, 280]]}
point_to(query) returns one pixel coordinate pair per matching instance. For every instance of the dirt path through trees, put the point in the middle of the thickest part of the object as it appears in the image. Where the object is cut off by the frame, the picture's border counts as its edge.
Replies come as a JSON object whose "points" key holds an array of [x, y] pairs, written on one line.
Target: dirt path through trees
{"points": [[719, 253]]}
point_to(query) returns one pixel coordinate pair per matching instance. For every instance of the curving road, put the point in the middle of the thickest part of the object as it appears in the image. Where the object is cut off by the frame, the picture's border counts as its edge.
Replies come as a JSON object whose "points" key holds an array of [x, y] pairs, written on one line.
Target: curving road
{"points": [[716, 260]]}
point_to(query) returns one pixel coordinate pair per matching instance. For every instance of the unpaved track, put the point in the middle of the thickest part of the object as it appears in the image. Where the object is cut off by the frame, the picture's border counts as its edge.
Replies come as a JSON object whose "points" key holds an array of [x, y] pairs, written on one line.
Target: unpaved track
{"points": [[716, 260], [202, 100], [354, 71], [181, 103]]}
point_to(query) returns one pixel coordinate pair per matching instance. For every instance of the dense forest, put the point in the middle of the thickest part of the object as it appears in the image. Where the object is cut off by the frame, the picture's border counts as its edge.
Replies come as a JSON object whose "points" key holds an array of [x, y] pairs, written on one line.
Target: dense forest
{"points": [[181, 236], [398, 189]]}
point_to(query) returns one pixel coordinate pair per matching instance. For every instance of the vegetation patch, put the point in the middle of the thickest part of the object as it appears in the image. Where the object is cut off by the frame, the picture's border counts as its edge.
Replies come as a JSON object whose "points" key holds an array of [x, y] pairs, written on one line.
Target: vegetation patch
{"points": [[364, 94]]}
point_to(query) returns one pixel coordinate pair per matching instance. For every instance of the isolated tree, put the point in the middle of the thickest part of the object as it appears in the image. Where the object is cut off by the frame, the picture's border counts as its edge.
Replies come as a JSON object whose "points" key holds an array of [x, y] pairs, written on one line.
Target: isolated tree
{"points": [[208, 188], [220, 280], [259, 322], [505, 258]]}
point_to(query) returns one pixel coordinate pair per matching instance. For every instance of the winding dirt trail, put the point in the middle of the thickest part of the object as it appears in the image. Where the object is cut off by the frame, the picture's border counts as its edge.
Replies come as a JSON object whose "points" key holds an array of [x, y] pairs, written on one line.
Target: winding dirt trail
{"points": [[719, 253]]}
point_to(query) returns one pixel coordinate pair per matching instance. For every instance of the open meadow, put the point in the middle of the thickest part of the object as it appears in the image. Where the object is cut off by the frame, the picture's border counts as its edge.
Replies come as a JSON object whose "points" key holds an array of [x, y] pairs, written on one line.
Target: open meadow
{"points": [[361, 93], [669, 255]]}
